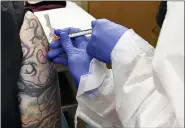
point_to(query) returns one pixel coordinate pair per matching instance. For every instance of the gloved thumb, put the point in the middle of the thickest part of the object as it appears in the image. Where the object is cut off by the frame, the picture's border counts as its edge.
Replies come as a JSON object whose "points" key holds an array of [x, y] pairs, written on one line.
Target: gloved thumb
{"points": [[66, 42], [93, 23]]}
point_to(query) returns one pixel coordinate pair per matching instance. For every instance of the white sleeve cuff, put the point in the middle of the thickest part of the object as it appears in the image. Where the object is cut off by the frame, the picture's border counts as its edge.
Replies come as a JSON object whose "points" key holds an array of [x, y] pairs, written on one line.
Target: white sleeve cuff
{"points": [[94, 79]]}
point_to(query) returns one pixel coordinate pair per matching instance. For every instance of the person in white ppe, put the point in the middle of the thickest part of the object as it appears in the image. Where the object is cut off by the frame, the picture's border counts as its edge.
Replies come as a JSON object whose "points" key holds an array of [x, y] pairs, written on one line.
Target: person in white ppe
{"points": [[144, 88]]}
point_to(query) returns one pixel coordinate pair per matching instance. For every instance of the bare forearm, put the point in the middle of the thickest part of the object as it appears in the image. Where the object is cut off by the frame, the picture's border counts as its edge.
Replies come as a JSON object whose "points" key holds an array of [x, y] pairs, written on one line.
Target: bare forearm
{"points": [[39, 90]]}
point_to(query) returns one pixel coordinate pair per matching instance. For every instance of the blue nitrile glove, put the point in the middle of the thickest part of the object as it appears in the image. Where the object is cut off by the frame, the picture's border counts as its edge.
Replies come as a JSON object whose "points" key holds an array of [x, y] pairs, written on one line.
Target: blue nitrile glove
{"points": [[77, 59], [104, 37], [82, 39]]}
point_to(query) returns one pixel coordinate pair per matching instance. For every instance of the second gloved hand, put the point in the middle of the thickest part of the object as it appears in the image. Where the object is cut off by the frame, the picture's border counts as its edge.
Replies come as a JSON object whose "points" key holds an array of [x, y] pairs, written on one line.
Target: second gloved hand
{"points": [[104, 37], [77, 59]]}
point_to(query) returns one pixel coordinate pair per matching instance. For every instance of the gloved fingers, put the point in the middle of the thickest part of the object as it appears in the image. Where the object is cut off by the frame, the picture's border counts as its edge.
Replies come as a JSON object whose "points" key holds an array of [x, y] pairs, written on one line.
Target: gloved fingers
{"points": [[61, 60], [67, 30], [90, 50], [53, 53], [93, 23], [73, 30], [66, 42], [78, 42], [58, 31], [98, 22], [55, 44]]}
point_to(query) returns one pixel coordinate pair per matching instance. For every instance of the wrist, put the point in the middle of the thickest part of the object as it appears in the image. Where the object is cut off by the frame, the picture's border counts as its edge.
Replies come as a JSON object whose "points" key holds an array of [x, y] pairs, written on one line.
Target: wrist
{"points": [[77, 81], [79, 73], [94, 78], [120, 33]]}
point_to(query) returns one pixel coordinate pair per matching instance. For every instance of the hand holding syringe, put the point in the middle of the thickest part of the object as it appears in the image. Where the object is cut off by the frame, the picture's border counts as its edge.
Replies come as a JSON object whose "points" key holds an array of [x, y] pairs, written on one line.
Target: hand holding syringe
{"points": [[71, 35]]}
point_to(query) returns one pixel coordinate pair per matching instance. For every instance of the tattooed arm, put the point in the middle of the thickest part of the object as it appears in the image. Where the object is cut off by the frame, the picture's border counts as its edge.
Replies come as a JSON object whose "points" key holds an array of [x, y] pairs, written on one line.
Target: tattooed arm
{"points": [[38, 83]]}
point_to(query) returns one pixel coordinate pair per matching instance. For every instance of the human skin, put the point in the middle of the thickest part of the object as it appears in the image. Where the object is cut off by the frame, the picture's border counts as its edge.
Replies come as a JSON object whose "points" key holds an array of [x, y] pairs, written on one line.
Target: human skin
{"points": [[39, 96]]}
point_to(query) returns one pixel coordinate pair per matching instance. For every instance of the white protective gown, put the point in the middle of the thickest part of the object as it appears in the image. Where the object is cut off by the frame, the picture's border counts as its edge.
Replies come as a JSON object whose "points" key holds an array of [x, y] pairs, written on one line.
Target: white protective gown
{"points": [[145, 87]]}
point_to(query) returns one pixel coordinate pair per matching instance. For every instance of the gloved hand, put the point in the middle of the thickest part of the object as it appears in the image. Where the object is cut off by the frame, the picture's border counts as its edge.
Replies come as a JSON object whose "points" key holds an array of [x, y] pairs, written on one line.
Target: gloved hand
{"points": [[104, 37], [77, 59]]}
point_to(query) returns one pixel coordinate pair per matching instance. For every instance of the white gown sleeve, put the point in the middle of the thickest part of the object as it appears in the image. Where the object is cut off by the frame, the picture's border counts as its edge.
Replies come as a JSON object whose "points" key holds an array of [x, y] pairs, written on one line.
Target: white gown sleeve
{"points": [[95, 96], [145, 86], [138, 103], [149, 89], [168, 64]]}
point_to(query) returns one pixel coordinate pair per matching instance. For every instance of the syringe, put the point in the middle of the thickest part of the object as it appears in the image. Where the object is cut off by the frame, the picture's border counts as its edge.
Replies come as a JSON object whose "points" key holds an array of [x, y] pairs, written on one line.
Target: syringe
{"points": [[80, 33], [76, 34]]}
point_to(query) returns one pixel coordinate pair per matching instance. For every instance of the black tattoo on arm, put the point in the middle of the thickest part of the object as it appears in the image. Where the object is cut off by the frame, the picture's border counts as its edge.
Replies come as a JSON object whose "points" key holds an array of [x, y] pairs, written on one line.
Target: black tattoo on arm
{"points": [[39, 95]]}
